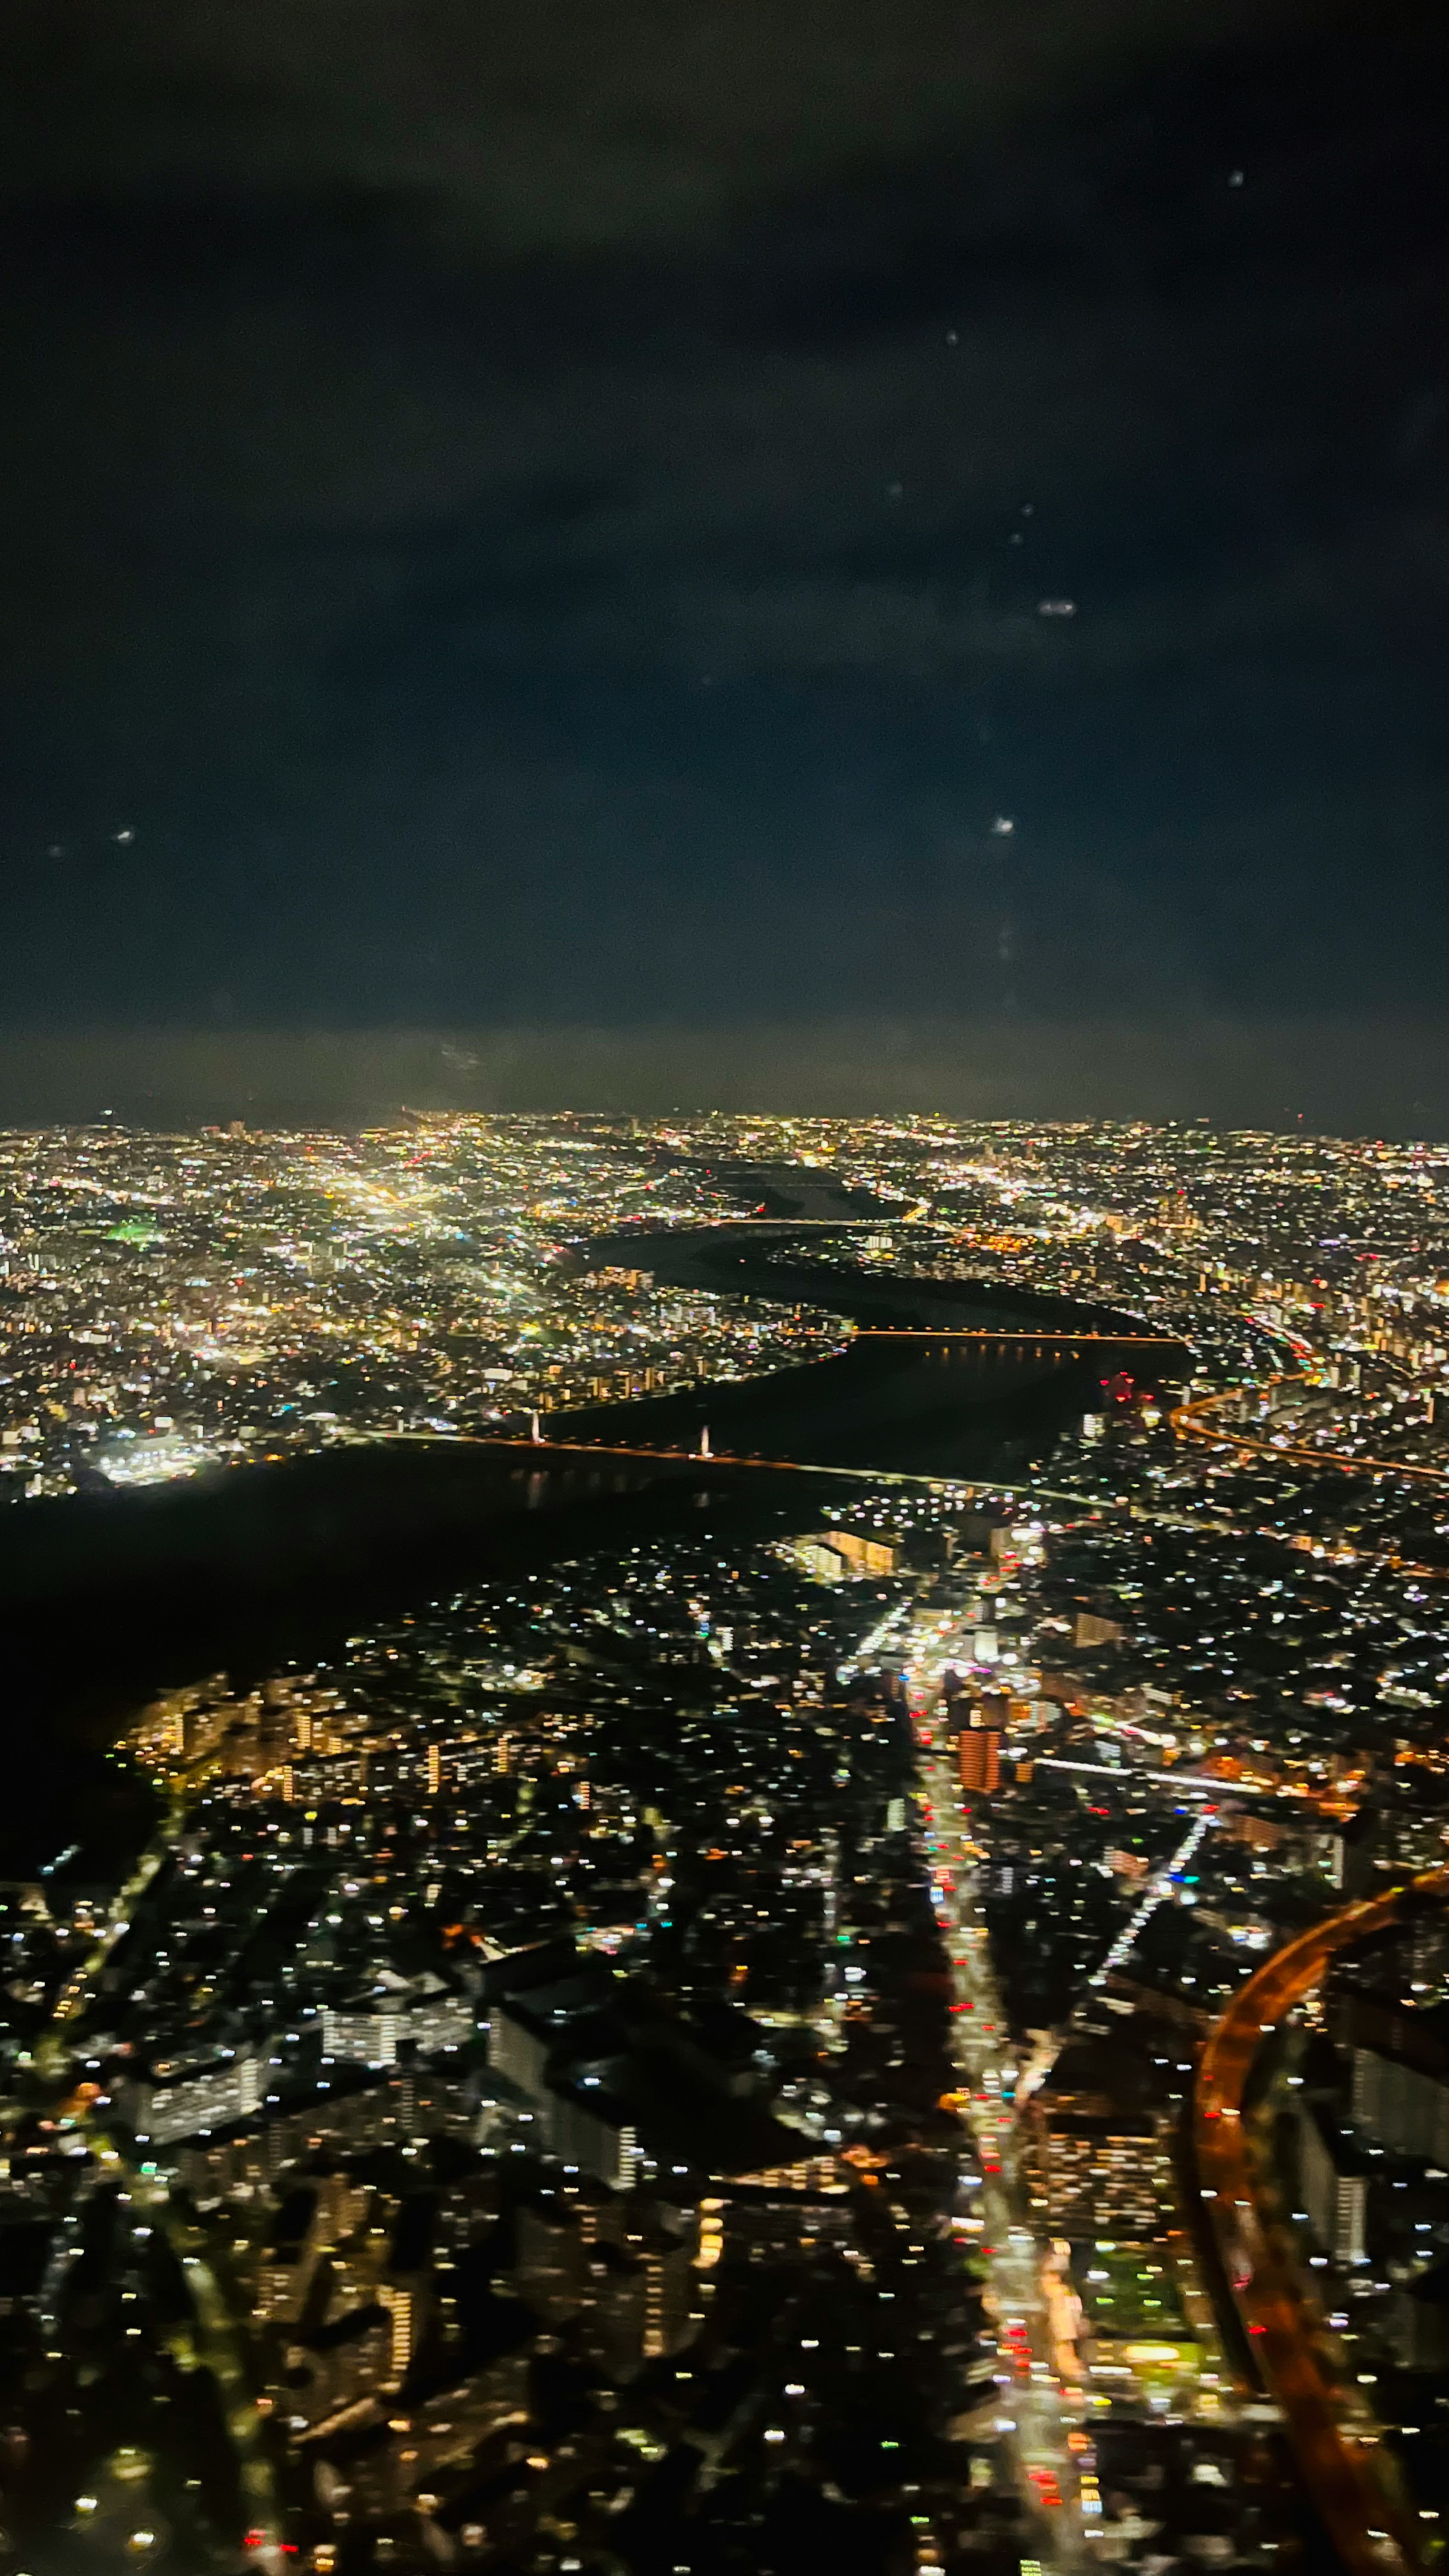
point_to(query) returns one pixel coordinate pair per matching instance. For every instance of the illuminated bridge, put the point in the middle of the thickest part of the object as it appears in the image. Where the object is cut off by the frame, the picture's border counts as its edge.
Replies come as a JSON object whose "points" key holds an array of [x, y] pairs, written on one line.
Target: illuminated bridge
{"points": [[105, 1596]]}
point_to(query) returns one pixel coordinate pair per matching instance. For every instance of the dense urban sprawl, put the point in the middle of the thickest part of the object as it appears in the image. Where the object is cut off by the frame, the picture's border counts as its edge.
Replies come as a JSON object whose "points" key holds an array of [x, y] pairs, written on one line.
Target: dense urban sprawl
{"points": [[686, 2058]]}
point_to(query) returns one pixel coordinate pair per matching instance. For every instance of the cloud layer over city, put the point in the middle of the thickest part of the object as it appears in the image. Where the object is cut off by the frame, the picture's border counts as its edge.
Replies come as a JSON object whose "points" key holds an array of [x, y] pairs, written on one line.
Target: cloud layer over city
{"points": [[597, 522]]}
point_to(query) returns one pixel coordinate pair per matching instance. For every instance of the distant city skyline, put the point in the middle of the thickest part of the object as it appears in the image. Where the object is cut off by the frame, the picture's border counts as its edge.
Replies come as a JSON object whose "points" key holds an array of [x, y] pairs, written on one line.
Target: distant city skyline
{"points": [[1346, 1076]]}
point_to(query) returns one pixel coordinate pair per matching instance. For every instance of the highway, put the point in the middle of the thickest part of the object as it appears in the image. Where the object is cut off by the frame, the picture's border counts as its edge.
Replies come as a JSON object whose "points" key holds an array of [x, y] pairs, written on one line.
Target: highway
{"points": [[1331, 2431], [1188, 1423]]}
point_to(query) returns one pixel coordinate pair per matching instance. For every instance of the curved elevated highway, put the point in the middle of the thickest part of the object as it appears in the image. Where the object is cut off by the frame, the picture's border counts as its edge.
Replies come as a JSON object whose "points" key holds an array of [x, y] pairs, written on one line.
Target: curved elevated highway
{"points": [[1196, 1421], [1334, 2440]]}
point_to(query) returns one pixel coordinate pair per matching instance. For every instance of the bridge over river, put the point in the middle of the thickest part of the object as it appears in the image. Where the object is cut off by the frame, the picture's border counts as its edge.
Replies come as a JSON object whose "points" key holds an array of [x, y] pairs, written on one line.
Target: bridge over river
{"points": [[939, 1377], [104, 1598]]}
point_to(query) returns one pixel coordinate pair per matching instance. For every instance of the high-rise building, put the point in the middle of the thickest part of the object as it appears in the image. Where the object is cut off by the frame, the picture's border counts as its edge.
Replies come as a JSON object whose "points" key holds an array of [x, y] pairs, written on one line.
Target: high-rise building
{"points": [[402, 2308], [1093, 1630], [432, 2021], [1400, 2106], [369, 2037], [1334, 2185], [197, 2102], [979, 1753]]}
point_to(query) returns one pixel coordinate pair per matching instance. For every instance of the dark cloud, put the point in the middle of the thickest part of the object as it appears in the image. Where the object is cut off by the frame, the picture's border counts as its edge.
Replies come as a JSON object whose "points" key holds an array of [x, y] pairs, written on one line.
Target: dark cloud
{"points": [[522, 518]]}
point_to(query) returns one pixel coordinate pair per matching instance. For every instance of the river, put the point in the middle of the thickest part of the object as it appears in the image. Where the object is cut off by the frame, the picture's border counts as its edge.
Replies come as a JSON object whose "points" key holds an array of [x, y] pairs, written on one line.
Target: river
{"points": [[105, 1599]]}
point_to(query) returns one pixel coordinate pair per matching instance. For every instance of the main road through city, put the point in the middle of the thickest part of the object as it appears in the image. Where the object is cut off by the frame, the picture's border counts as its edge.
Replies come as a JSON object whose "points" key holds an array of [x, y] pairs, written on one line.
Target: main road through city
{"points": [[1037, 2409], [218, 2335]]}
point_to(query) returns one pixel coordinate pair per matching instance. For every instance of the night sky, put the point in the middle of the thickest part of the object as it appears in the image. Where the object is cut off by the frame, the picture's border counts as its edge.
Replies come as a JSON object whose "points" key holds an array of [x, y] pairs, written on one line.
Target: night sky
{"points": [[538, 515]]}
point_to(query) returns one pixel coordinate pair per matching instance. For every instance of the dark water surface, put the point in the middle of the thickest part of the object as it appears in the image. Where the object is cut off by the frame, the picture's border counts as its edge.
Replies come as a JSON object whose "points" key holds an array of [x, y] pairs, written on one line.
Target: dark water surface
{"points": [[105, 1599]]}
